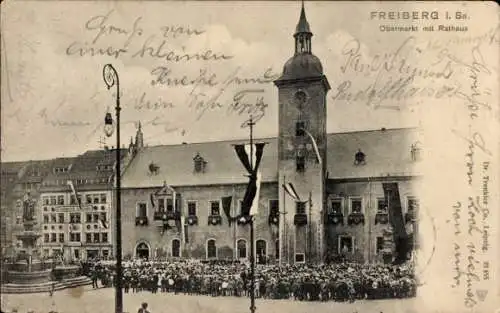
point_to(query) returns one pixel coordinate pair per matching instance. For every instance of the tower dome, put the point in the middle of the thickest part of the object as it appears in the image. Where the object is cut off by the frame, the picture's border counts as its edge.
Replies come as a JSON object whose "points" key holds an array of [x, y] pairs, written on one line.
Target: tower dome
{"points": [[303, 64]]}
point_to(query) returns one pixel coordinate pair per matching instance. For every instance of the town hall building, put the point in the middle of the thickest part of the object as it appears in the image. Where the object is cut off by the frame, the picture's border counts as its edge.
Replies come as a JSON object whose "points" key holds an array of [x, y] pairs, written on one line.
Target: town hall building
{"points": [[173, 195]]}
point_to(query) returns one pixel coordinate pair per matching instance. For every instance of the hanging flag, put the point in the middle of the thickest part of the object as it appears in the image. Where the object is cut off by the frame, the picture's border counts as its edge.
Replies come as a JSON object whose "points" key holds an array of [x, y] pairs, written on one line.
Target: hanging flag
{"points": [[315, 146], [184, 229], [70, 184], [248, 205], [103, 223], [254, 209], [186, 237], [290, 190], [226, 206], [152, 197]]}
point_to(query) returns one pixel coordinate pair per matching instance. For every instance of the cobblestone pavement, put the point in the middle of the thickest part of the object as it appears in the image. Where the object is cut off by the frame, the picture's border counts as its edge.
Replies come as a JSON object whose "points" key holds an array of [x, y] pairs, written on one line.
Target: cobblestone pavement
{"points": [[85, 299]]}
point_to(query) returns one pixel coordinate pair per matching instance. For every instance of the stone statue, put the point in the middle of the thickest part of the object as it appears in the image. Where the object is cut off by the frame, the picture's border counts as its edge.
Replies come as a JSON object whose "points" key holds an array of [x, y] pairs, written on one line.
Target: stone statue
{"points": [[28, 208]]}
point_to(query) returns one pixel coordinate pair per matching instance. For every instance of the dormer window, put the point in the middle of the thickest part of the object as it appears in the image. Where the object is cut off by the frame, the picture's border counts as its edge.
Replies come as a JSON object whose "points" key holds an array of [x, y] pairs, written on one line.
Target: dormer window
{"points": [[154, 169], [199, 163], [359, 158], [415, 151], [61, 170]]}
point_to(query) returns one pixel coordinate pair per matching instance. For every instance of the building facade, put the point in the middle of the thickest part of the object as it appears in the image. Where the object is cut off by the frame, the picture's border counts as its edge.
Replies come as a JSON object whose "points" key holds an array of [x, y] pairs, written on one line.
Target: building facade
{"points": [[173, 196], [20, 180], [76, 206]]}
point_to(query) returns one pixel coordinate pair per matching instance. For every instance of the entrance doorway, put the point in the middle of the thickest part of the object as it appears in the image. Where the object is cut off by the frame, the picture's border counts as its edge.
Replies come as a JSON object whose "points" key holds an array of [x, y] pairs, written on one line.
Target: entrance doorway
{"points": [[142, 251], [176, 248], [261, 253]]}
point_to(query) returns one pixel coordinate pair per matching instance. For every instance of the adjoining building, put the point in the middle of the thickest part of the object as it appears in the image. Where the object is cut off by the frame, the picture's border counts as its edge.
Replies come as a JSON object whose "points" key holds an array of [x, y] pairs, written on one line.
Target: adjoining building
{"points": [[335, 203], [19, 180], [76, 205]]}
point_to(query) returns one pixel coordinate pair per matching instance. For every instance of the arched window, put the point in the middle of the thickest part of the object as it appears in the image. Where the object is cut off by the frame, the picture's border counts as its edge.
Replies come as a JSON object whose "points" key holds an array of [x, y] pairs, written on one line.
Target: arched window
{"points": [[176, 248], [211, 249], [261, 251], [242, 249]]}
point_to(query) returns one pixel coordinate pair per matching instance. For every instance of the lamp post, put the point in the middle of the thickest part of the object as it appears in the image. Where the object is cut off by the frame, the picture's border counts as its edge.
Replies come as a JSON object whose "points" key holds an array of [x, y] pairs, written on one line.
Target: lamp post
{"points": [[111, 79]]}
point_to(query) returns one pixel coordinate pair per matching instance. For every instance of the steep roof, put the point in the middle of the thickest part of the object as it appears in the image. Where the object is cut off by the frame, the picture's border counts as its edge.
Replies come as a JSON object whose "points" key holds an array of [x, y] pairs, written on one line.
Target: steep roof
{"points": [[83, 168], [387, 152], [176, 167]]}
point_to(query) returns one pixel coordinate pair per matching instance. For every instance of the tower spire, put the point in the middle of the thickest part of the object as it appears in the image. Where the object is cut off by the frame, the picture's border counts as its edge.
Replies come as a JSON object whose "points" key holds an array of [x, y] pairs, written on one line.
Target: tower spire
{"points": [[139, 137], [303, 33]]}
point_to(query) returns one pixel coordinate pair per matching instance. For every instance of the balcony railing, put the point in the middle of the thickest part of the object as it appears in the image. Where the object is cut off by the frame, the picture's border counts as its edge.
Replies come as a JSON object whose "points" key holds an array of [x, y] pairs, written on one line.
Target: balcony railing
{"points": [[243, 219], [335, 218], [192, 220], [381, 218], [141, 221], [214, 220], [300, 219], [165, 216], [274, 219], [356, 219]]}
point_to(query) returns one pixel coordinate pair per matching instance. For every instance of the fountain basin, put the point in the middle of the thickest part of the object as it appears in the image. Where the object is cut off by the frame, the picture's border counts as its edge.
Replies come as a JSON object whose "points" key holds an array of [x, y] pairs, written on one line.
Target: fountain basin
{"points": [[27, 278], [36, 265], [66, 271]]}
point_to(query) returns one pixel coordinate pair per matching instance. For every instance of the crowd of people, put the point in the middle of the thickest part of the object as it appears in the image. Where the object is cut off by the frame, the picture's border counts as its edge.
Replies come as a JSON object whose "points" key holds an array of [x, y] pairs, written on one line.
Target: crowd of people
{"points": [[337, 282]]}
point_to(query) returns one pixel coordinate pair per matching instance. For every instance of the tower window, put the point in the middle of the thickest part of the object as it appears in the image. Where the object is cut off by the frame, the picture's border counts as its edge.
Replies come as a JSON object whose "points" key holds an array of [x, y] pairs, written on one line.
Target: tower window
{"points": [[301, 163], [300, 207], [299, 128]]}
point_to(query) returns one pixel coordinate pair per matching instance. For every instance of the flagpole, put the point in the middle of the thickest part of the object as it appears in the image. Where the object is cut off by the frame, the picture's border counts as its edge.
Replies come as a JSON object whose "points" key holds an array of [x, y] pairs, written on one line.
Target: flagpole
{"points": [[281, 225], [310, 227], [252, 254], [234, 208]]}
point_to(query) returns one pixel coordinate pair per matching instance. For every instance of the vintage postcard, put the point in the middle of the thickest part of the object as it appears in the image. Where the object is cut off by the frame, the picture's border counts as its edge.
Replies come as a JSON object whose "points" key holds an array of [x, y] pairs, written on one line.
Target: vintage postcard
{"points": [[260, 156]]}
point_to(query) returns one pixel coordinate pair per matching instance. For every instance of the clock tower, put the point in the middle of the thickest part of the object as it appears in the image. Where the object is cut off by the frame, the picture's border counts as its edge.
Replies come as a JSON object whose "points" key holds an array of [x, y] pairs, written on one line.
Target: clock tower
{"points": [[302, 90]]}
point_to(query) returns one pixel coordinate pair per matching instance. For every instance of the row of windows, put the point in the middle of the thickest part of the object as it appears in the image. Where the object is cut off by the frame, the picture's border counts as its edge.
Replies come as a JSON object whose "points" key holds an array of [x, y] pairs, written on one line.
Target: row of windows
{"points": [[356, 205], [336, 207], [98, 198], [346, 245], [74, 218], [166, 205], [76, 237], [76, 253], [62, 182]]}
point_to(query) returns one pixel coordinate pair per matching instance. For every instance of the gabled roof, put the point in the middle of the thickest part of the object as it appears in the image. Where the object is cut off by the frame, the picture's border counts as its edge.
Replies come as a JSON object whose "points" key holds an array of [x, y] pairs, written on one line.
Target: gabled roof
{"points": [[387, 152]]}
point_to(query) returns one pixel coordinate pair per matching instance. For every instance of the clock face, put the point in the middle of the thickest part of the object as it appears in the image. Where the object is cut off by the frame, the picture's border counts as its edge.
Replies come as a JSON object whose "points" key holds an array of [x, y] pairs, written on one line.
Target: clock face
{"points": [[300, 97]]}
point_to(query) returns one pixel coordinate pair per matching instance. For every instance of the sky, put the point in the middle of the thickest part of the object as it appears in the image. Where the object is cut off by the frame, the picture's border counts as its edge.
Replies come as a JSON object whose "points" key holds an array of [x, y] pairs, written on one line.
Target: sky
{"points": [[54, 98]]}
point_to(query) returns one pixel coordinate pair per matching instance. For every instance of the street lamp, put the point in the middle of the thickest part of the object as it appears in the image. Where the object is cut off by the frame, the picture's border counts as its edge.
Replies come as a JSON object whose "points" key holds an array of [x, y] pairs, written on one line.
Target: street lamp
{"points": [[111, 79]]}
